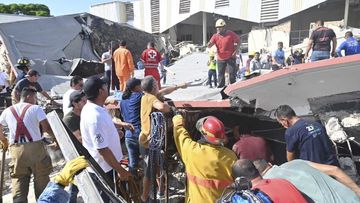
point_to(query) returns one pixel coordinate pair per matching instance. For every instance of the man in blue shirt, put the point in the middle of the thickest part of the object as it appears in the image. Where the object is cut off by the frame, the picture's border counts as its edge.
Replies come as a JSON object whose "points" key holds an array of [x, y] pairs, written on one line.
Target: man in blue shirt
{"points": [[130, 112], [351, 45], [279, 57], [305, 139]]}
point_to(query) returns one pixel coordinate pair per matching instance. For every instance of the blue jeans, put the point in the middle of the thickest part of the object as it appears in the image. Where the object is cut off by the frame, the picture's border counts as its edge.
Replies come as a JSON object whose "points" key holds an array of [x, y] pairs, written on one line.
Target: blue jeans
{"points": [[320, 55], [231, 63], [212, 74], [133, 148], [73, 193], [53, 193]]}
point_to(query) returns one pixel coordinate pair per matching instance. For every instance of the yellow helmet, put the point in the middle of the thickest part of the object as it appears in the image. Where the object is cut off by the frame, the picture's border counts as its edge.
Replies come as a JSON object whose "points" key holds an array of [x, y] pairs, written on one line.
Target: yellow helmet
{"points": [[220, 23], [211, 54], [252, 53]]}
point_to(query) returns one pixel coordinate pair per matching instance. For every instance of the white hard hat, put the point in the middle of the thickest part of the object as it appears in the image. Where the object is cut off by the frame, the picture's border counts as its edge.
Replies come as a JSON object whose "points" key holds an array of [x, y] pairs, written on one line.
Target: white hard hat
{"points": [[220, 23]]}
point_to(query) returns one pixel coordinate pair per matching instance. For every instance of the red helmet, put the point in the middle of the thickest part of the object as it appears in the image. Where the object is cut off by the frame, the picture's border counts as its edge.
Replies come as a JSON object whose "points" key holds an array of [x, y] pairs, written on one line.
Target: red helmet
{"points": [[212, 129]]}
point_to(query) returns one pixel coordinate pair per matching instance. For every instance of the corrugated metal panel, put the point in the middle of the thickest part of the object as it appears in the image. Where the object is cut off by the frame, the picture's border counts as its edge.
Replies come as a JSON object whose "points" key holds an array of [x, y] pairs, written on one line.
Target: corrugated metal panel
{"points": [[155, 15], [269, 10], [222, 3], [184, 6]]}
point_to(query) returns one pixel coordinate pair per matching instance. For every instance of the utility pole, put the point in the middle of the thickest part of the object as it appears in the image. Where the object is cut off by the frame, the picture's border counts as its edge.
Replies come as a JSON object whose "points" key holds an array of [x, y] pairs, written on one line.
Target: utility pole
{"points": [[204, 22], [346, 13]]}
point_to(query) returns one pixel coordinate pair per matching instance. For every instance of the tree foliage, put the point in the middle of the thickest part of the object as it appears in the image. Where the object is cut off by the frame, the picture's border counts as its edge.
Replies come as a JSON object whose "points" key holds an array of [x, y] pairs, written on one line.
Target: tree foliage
{"points": [[25, 9]]}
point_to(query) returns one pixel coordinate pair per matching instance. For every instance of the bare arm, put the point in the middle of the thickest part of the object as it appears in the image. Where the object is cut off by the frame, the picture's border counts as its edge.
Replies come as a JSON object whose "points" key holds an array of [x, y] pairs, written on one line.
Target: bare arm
{"points": [[338, 174], [290, 156], [15, 95], [2, 136], [169, 90], [46, 128], [161, 106], [45, 94], [308, 47], [77, 134], [118, 122], [109, 157], [334, 44], [210, 44]]}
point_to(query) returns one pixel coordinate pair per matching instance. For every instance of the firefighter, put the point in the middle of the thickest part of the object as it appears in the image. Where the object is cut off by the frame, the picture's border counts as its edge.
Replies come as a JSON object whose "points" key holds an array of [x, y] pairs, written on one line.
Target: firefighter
{"points": [[124, 64], [28, 153], [208, 163], [151, 59], [23, 64]]}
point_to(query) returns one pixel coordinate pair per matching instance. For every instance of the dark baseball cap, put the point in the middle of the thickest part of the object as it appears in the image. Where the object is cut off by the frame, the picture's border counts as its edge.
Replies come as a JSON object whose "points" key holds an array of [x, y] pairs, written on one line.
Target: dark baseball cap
{"points": [[132, 83], [32, 72], [92, 86], [76, 96]]}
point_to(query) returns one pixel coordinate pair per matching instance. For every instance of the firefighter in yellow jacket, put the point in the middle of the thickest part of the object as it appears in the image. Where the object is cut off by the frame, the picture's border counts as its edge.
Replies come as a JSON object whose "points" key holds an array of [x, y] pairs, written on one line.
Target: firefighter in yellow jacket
{"points": [[208, 164]]}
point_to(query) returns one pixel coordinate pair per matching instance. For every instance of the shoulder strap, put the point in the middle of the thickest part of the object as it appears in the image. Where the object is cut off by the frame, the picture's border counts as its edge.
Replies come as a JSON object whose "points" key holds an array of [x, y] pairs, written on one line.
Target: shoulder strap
{"points": [[13, 111], [24, 111]]}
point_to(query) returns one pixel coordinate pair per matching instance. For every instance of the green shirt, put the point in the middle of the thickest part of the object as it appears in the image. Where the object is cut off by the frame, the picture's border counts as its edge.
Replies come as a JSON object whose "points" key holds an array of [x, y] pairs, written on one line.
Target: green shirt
{"points": [[317, 185]]}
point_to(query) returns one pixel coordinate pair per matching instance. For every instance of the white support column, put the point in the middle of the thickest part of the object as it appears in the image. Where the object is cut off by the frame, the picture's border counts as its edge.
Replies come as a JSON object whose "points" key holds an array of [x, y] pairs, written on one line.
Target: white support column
{"points": [[346, 13], [204, 24]]}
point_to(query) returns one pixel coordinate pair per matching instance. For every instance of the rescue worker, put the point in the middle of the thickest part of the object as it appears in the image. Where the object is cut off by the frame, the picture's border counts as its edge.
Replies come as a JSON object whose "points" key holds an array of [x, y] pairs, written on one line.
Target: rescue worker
{"points": [[30, 81], [151, 101], [227, 43], [54, 191], [28, 154], [23, 64], [302, 135], [124, 64], [208, 163], [351, 45], [279, 190], [76, 84], [151, 59], [320, 42]]}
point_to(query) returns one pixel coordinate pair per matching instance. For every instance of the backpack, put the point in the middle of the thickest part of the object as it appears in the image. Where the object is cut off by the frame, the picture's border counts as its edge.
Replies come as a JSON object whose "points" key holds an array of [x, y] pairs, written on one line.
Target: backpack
{"points": [[246, 196]]}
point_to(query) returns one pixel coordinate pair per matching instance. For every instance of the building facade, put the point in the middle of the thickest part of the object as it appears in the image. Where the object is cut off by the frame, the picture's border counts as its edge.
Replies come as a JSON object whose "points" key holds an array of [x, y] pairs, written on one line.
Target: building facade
{"points": [[193, 20]]}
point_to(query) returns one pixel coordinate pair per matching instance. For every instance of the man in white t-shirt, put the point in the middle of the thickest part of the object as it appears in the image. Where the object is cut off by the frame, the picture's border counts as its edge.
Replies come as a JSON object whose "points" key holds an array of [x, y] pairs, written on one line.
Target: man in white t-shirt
{"points": [[76, 84], [99, 135], [28, 154], [106, 59]]}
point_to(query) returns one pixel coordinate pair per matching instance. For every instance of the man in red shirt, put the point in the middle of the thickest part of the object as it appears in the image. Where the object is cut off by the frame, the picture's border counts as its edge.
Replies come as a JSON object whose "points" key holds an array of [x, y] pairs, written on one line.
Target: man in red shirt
{"points": [[279, 190], [251, 147], [151, 59], [226, 43]]}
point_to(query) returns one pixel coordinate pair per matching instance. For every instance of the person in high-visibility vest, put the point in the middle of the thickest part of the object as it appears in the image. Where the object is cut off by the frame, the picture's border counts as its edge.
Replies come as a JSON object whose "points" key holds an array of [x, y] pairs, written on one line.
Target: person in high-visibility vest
{"points": [[212, 70], [208, 163]]}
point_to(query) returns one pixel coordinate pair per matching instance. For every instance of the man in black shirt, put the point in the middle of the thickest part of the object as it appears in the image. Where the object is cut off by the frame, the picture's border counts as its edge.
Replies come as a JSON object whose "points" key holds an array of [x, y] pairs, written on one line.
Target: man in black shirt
{"points": [[30, 81], [319, 42], [72, 119]]}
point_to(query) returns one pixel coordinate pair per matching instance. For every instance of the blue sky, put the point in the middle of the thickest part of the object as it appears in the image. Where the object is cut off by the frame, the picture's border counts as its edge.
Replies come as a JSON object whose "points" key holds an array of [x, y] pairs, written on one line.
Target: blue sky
{"points": [[62, 7]]}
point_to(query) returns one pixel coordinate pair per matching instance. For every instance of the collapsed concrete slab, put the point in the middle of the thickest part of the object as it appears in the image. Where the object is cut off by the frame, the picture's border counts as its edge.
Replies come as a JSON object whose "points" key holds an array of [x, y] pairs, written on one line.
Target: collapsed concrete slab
{"points": [[53, 43]]}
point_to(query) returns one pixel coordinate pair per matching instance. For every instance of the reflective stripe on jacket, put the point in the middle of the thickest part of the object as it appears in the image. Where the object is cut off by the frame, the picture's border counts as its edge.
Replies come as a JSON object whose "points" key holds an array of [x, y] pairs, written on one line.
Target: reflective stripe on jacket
{"points": [[208, 166]]}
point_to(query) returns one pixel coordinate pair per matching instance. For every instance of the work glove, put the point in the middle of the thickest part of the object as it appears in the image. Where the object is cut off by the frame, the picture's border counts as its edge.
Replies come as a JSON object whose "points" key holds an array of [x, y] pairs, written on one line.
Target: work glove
{"points": [[177, 120], [4, 144], [71, 168]]}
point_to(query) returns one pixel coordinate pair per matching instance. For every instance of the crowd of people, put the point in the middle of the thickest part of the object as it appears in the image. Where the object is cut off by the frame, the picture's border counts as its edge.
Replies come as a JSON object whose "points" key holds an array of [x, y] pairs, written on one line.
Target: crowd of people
{"points": [[212, 164], [322, 42]]}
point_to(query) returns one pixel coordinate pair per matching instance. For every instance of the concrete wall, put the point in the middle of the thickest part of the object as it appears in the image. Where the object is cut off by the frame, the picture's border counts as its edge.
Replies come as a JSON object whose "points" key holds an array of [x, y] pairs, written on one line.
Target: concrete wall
{"points": [[113, 11]]}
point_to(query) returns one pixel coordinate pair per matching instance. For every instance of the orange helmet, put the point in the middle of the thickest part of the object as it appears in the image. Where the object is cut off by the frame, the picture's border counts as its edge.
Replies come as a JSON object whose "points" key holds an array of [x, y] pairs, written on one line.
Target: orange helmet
{"points": [[212, 129]]}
